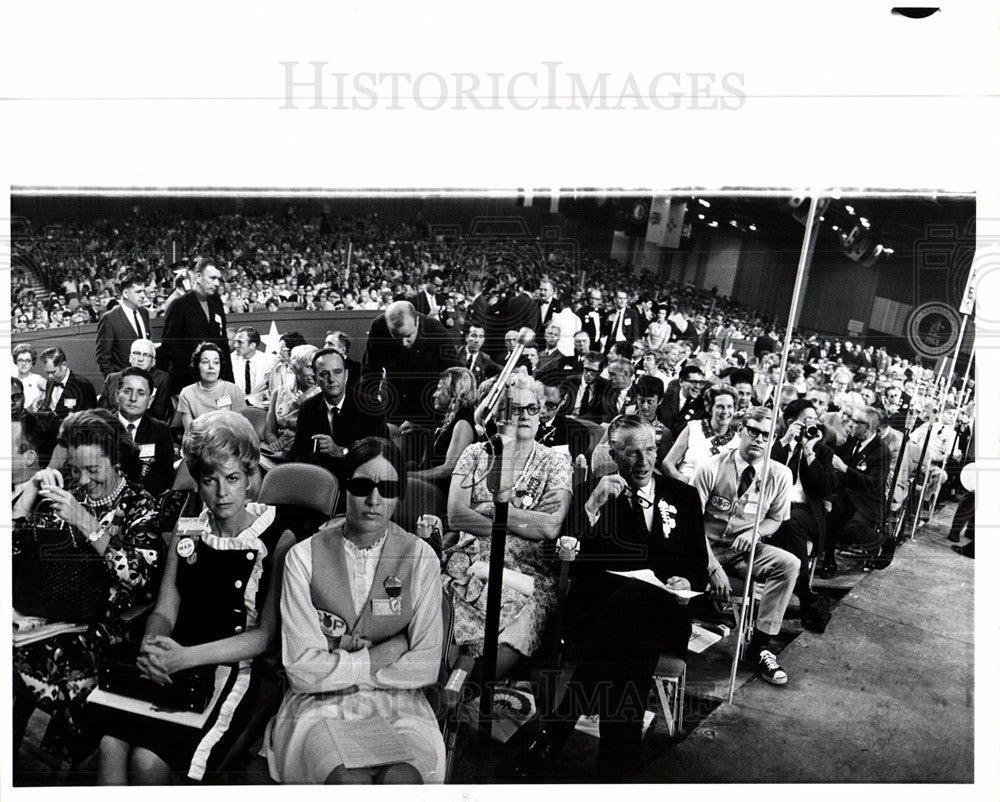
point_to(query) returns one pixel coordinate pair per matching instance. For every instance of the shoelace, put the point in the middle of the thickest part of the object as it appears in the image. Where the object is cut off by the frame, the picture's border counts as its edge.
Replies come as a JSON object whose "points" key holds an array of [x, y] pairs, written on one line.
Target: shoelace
{"points": [[769, 660]]}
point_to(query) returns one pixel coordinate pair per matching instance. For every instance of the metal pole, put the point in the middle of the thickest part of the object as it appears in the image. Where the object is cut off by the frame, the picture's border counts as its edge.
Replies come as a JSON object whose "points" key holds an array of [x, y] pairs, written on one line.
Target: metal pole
{"points": [[805, 256], [498, 542]]}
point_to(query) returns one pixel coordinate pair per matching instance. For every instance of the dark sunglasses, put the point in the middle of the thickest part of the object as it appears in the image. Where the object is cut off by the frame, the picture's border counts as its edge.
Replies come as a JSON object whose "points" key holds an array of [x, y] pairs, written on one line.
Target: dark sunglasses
{"points": [[363, 487]]}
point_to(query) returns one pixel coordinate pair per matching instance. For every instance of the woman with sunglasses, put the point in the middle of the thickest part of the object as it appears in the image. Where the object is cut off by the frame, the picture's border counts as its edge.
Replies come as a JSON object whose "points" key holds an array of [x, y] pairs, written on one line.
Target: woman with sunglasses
{"points": [[540, 480], [705, 438], [361, 634]]}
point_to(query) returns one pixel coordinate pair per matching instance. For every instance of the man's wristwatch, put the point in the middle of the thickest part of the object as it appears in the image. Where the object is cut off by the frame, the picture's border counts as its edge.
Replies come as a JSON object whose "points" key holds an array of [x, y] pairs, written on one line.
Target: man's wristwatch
{"points": [[97, 534]]}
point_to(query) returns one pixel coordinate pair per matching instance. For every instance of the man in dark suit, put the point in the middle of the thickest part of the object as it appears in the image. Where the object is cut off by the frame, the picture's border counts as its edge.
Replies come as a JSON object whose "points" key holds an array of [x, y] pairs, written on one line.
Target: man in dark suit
{"points": [[547, 303], [802, 449], [65, 391], [581, 345], [589, 390], [330, 422], [617, 398], [858, 506], [142, 355], [471, 355], [195, 317], [404, 357], [428, 299], [127, 322], [552, 360], [629, 521], [682, 401], [151, 436], [339, 341], [591, 317]]}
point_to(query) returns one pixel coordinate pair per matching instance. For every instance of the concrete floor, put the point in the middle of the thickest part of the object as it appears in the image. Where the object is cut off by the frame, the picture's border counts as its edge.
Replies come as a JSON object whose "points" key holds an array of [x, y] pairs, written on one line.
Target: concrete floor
{"points": [[884, 695]]}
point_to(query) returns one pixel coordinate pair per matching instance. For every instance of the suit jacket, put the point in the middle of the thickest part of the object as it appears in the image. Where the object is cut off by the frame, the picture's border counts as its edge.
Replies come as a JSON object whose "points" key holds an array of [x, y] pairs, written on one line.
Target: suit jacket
{"points": [[864, 481], [588, 324], [673, 415], [592, 407], [115, 335], [411, 374], [544, 320], [184, 327], [554, 363], [819, 480], [632, 328], [162, 407], [353, 424], [483, 368], [157, 470], [78, 394], [619, 541]]}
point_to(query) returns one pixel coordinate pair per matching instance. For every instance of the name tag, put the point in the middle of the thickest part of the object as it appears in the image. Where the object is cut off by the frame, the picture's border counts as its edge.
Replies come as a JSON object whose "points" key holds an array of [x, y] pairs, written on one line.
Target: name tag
{"points": [[225, 401], [147, 451], [628, 321], [750, 509], [720, 503], [218, 320], [387, 607], [69, 403]]}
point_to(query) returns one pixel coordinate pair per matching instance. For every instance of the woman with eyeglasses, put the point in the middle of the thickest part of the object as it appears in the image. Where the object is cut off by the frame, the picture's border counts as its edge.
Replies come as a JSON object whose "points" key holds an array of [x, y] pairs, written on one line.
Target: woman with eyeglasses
{"points": [[34, 385], [362, 634], [455, 401], [210, 393], [705, 438], [540, 481]]}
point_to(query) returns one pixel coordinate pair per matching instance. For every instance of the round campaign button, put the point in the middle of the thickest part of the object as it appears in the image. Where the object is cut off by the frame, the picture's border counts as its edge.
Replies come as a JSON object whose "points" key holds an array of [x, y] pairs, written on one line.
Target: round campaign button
{"points": [[185, 547]]}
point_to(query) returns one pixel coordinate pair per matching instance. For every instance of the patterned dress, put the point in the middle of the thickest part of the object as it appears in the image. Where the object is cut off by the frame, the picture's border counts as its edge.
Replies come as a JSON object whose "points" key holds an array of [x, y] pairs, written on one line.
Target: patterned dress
{"points": [[61, 671], [522, 618], [286, 413]]}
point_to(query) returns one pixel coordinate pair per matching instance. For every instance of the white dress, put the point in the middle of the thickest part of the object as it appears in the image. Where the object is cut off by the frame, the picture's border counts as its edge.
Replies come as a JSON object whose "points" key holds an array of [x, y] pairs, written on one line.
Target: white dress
{"points": [[299, 744]]}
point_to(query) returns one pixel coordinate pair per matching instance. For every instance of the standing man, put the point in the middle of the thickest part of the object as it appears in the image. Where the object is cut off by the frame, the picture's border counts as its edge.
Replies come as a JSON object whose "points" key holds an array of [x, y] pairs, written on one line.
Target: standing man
{"points": [[196, 317], [622, 323], [125, 323], [546, 304], [330, 422], [471, 355], [251, 367], [631, 520], [151, 437], [590, 317], [731, 488], [65, 391], [142, 355], [404, 357], [427, 300]]}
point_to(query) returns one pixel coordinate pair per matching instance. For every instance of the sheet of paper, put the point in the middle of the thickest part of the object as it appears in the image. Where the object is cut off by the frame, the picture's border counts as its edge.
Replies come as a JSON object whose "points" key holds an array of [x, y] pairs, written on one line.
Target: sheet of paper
{"points": [[369, 742], [143, 708], [702, 638], [647, 576]]}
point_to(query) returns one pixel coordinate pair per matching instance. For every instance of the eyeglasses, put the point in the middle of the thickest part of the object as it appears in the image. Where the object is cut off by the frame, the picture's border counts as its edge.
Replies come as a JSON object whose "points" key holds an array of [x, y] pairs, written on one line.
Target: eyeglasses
{"points": [[531, 409], [755, 433], [643, 502], [363, 487]]}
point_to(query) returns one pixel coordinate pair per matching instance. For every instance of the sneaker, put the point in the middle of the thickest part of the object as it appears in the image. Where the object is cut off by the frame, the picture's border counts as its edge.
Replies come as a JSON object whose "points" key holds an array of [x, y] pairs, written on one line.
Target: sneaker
{"points": [[770, 670]]}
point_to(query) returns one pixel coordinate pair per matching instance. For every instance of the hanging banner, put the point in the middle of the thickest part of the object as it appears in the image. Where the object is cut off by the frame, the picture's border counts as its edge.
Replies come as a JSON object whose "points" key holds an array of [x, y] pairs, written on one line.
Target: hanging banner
{"points": [[666, 221], [968, 305]]}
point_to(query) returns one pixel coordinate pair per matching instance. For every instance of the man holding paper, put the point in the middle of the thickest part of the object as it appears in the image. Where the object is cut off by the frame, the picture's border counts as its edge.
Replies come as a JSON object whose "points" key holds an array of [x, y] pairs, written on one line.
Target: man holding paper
{"points": [[632, 521]]}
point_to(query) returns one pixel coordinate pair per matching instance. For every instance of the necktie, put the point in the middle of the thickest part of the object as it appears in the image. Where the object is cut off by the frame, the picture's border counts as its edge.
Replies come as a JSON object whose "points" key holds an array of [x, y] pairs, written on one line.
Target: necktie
{"points": [[618, 326], [131, 431], [638, 513], [472, 360], [746, 479], [585, 402], [138, 324], [246, 377], [855, 452], [334, 413], [48, 394]]}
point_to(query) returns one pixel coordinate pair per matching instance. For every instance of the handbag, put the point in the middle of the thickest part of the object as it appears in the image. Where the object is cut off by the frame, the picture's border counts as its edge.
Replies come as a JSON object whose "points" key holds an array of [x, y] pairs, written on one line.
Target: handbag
{"points": [[189, 690], [57, 574]]}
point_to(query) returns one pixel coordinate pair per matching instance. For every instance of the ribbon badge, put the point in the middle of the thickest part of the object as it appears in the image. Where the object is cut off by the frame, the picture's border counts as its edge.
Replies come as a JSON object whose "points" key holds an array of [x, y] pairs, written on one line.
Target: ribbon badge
{"points": [[667, 513]]}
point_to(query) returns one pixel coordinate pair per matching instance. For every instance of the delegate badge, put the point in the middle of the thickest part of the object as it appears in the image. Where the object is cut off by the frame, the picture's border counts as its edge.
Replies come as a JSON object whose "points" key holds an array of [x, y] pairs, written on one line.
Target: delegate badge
{"points": [[185, 547]]}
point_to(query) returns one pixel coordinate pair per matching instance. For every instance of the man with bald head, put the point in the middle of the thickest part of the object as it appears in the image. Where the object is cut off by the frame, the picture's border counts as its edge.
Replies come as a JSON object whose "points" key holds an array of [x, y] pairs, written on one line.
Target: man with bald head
{"points": [[142, 354], [403, 360]]}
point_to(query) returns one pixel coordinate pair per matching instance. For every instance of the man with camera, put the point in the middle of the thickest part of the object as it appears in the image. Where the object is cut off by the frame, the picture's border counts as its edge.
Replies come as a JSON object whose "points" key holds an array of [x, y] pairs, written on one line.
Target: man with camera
{"points": [[802, 449]]}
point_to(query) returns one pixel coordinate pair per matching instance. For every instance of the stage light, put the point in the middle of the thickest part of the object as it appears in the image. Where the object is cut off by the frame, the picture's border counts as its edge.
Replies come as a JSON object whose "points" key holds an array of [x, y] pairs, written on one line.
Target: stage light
{"points": [[849, 209], [864, 222], [734, 224], [713, 223], [701, 217], [753, 226], [704, 202]]}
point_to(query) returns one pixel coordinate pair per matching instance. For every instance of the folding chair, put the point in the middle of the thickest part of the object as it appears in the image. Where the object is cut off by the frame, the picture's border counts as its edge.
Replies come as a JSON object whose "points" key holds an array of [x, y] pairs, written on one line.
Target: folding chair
{"points": [[305, 495], [422, 498]]}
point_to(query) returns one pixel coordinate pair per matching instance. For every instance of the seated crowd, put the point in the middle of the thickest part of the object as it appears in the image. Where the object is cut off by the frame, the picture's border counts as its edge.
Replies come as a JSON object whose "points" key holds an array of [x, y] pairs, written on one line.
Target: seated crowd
{"points": [[636, 430]]}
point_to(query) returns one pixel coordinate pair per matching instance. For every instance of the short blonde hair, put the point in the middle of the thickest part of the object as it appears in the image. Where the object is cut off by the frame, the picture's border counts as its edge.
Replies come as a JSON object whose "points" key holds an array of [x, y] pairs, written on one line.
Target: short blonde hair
{"points": [[215, 437], [520, 381]]}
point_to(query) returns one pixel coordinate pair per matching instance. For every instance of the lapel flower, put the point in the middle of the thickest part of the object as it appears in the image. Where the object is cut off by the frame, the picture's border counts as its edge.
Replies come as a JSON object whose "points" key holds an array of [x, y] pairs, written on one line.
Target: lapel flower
{"points": [[667, 513]]}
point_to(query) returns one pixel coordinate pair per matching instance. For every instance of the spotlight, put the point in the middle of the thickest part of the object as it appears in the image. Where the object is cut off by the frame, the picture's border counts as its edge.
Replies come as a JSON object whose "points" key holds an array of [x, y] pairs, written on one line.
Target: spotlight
{"points": [[753, 226], [701, 217], [713, 223], [849, 209], [704, 202]]}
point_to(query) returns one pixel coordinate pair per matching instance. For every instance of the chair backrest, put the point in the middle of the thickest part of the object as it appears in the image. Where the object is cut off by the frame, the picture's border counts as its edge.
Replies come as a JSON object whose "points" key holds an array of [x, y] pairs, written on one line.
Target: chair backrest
{"points": [[449, 649], [298, 484], [421, 498], [257, 418]]}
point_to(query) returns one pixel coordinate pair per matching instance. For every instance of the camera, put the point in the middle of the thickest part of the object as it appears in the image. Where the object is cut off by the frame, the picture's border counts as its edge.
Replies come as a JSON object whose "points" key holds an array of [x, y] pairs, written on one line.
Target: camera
{"points": [[812, 431]]}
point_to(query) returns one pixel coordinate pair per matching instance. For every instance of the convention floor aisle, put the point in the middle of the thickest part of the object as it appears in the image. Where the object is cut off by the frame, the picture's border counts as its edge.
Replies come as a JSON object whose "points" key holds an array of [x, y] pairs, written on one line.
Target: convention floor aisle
{"points": [[884, 695]]}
